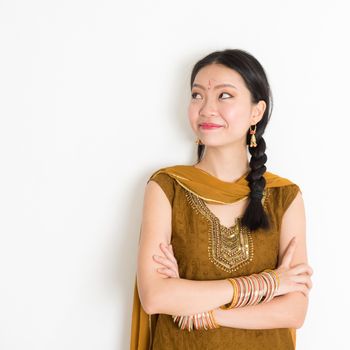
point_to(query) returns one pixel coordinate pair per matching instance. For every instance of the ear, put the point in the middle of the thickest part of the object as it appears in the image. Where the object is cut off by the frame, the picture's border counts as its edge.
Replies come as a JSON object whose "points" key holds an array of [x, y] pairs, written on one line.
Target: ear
{"points": [[258, 111]]}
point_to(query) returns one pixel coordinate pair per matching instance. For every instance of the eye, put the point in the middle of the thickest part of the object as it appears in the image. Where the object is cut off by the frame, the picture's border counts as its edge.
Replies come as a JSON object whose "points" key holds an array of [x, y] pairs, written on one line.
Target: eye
{"points": [[194, 95], [226, 94]]}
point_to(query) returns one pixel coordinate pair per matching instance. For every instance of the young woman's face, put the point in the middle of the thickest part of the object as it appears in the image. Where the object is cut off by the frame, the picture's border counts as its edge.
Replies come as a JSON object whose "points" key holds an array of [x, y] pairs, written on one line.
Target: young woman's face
{"points": [[230, 106]]}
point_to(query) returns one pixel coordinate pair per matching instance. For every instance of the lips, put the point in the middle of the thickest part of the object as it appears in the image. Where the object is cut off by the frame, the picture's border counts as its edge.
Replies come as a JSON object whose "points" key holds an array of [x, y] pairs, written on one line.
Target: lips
{"points": [[210, 126]]}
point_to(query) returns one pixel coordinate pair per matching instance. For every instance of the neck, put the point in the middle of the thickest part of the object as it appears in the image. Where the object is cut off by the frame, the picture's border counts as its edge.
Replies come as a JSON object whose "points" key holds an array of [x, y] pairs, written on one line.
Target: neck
{"points": [[226, 163]]}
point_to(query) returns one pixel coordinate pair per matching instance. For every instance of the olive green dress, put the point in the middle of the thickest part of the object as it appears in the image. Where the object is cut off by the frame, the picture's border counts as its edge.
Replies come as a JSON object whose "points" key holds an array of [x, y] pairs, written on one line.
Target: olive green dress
{"points": [[206, 250]]}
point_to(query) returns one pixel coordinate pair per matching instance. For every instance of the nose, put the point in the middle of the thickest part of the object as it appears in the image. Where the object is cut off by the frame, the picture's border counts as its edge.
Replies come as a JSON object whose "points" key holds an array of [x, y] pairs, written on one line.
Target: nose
{"points": [[208, 108]]}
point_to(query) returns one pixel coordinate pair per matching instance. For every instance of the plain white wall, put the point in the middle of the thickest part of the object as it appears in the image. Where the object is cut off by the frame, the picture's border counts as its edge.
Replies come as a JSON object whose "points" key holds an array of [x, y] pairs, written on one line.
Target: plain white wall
{"points": [[93, 99]]}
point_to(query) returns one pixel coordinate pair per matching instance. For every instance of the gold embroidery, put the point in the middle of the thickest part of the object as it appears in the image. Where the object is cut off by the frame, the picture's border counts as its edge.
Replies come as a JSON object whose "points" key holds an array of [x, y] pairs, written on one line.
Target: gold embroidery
{"points": [[229, 248]]}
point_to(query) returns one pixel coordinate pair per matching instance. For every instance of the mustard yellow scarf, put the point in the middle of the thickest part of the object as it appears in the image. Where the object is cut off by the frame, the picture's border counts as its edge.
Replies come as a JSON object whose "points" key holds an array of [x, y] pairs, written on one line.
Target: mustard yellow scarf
{"points": [[211, 189]]}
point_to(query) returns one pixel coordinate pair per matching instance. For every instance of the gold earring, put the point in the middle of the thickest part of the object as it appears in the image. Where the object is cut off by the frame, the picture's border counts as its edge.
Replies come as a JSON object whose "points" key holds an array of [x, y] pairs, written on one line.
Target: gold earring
{"points": [[198, 141], [252, 138]]}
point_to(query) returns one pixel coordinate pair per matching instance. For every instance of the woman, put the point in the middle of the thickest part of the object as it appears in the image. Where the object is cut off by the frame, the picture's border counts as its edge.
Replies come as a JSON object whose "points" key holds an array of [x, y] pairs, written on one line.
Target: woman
{"points": [[218, 267]]}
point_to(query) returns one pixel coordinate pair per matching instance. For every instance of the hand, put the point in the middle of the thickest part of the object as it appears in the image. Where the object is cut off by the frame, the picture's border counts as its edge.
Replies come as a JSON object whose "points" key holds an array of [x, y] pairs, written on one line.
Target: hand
{"points": [[170, 269], [292, 279]]}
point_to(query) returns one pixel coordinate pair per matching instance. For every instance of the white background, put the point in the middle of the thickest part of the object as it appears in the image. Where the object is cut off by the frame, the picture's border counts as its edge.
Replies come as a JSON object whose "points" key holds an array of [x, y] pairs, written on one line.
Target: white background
{"points": [[93, 99]]}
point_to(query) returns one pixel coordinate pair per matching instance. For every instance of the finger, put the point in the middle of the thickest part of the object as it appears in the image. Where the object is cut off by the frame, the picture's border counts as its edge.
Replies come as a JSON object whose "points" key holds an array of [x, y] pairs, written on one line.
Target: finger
{"points": [[167, 272], [164, 261], [163, 276], [167, 253], [303, 279], [170, 247], [302, 288], [301, 268], [288, 255]]}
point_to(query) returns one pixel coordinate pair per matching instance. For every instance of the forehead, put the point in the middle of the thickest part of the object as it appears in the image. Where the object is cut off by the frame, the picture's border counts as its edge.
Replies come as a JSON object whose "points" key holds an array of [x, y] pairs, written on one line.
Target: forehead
{"points": [[216, 73]]}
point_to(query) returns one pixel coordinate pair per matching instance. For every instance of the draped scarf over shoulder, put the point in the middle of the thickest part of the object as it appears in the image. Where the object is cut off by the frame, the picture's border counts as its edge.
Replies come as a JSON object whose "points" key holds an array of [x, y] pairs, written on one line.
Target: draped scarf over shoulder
{"points": [[212, 190]]}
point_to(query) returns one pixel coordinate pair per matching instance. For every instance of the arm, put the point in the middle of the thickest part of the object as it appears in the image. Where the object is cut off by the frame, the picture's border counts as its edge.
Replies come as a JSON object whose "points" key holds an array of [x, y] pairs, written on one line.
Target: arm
{"points": [[185, 297], [280, 312], [169, 296], [287, 310]]}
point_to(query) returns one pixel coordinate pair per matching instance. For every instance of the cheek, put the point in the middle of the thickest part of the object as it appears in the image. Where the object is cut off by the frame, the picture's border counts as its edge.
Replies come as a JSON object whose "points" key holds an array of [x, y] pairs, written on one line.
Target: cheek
{"points": [[237, 121], [237, 116], [192, 112]]}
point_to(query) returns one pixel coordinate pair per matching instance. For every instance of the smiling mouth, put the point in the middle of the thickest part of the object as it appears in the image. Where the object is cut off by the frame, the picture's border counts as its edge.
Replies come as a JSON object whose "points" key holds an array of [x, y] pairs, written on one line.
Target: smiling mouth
{"points": [[210, 126]]}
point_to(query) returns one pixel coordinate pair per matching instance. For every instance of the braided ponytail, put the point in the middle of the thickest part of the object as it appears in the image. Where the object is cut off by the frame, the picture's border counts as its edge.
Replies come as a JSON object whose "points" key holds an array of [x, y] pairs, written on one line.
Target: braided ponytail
{"points": [[254, 216], [256, 81], [200, 151]]}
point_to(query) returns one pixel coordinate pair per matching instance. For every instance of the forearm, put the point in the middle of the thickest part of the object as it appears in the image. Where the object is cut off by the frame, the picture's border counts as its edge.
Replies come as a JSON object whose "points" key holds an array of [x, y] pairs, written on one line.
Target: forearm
{"points": [[178, 296], [285, 311]]}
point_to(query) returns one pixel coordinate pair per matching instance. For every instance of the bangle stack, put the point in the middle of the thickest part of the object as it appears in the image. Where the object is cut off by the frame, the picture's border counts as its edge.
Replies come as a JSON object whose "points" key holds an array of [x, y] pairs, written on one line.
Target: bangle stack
{"points": [[247, 290], [202, 320], [252, 290]]}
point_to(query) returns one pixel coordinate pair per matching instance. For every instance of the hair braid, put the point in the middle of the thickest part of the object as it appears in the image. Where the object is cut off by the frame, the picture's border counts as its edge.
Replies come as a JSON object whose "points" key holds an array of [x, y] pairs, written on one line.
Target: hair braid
{"points": [[254, 216], [200, 151]]}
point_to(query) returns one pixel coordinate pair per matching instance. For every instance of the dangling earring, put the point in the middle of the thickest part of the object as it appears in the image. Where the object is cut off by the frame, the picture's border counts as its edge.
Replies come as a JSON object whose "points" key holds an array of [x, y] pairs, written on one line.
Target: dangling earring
{"points": [[252, 138], [198, 141]]}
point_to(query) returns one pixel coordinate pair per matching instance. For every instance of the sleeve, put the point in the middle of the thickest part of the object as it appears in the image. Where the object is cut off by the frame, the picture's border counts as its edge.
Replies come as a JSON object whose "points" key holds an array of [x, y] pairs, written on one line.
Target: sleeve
{"points": [[166, 182], [289, 192]]}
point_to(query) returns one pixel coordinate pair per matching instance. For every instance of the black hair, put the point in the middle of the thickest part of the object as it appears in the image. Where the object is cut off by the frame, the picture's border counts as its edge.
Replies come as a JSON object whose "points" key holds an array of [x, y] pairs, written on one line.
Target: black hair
{"points": [[257, 83]]}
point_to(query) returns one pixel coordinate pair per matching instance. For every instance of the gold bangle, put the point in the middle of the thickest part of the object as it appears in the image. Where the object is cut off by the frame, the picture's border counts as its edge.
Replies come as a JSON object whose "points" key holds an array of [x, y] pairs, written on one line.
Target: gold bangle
{"points": [[277, 276], [211, 314], [234, 295]]}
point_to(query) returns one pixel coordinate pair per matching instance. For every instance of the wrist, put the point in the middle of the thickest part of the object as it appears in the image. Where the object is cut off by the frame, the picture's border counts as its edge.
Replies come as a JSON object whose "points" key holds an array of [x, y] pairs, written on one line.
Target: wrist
{"points": [[219, 316]]}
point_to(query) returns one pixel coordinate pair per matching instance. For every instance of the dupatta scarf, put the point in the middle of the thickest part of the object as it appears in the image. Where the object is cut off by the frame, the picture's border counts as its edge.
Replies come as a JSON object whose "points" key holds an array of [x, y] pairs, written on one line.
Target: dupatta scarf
{"points": [[212, 190]]}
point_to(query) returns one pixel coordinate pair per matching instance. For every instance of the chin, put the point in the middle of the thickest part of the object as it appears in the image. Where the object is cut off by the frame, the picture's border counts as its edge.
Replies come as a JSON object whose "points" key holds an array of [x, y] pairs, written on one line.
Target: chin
{"points": [[213, 143]]}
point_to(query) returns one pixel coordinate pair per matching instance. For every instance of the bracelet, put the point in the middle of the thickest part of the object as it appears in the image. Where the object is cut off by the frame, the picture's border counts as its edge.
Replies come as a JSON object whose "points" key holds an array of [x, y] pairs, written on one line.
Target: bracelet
{"points": [[199, 321], [247, 290], [277, 276], [254, 289], [235, 295]]}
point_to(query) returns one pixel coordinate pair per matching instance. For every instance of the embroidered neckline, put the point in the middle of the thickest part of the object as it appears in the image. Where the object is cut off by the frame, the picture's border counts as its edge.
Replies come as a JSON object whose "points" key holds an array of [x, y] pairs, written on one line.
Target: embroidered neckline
{"points": [[229, 248]]}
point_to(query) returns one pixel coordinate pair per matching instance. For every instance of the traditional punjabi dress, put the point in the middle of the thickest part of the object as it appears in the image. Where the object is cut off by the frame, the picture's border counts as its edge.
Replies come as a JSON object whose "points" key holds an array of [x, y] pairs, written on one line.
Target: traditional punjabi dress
{"points": [[206, 250]]}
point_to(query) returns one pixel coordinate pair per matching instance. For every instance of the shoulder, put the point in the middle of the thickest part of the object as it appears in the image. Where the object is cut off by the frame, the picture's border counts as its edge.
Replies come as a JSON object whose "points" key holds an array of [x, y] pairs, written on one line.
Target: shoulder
{"points": [[160, 175], [164, 181], [279, 180], [283, 190]]}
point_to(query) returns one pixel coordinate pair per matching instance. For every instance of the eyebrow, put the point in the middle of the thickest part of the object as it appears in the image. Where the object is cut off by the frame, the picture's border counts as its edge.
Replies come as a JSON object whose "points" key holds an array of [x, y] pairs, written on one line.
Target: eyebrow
{"points": [[215, 87]]}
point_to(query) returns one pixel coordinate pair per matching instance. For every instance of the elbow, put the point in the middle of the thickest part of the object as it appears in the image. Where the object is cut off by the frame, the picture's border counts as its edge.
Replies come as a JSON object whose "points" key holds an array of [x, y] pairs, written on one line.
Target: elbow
{"points": [[157, 298], [299, 322], [300, 309], [298, 325], [149, 307], [145, 299], [149, 292], [151, 301], [147, 303]]}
